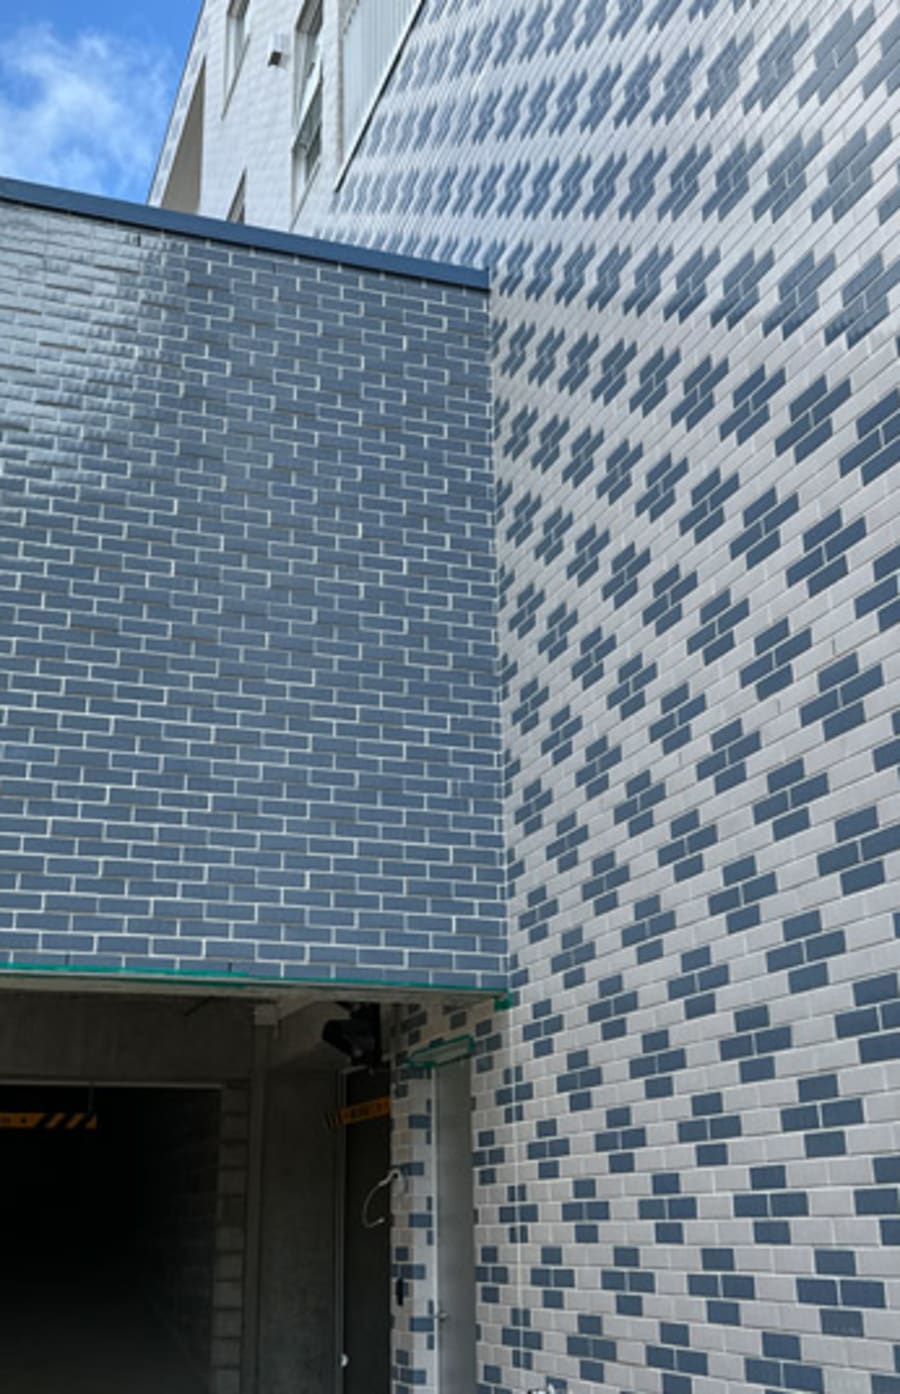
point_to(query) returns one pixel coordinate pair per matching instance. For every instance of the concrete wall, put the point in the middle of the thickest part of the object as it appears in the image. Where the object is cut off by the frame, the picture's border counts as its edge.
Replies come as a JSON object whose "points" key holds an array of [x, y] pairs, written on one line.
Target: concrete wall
{"points": [[177, 1181], [248, 687], [230, 1288], [298, 1277], [109, 1039]]}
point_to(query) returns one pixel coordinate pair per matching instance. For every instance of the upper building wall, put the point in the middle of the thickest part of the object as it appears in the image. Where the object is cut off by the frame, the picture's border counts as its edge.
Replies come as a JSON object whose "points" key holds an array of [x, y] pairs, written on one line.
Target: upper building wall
{"points": [[249, 721], [273, 101]]}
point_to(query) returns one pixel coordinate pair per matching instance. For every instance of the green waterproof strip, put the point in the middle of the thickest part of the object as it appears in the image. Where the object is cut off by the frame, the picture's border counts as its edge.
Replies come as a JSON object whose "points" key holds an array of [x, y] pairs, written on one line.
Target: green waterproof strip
{"points": [[235, 980], [432, 1057]]}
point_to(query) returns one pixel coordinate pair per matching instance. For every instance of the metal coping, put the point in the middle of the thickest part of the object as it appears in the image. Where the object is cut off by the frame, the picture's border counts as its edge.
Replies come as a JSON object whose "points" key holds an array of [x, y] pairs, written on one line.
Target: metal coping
{"points": [[240, 235]]}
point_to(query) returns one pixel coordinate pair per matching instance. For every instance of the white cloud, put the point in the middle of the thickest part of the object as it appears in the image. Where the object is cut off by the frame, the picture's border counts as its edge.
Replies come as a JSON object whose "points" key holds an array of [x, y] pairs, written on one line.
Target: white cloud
{"points": [[84, 113]]}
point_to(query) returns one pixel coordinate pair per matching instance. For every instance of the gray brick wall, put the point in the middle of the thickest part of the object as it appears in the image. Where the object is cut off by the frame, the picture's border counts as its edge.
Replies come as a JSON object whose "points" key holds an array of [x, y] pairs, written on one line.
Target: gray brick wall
{"points": [[247, 613]]}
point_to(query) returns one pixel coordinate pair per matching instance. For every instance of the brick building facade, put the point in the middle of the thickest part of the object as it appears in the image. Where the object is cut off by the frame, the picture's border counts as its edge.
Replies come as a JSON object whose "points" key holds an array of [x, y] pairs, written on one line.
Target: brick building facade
{"points": [[685, 1133]]}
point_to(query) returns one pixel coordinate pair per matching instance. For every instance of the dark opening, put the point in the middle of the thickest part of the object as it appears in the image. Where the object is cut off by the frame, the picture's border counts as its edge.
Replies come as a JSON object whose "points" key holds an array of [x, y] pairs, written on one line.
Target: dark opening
{"points": [[109, 1235], [367, 1252]]}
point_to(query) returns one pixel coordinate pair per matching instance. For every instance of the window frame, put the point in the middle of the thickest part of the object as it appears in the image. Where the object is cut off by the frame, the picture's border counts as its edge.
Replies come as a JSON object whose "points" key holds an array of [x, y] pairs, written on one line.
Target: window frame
{"points": [[237, 39], [350, 142], [237, 212], [307, 137], [307, 59]]}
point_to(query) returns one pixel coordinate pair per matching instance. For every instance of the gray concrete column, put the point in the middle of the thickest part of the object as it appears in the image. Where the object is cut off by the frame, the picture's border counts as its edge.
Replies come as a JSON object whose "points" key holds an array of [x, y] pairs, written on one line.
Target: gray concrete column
{"points": [[263, 1022]]}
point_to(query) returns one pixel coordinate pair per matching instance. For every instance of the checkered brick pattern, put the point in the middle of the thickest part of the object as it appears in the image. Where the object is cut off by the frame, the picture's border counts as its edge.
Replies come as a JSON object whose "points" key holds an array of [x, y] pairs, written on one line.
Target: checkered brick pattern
{"points": [[686, 1131]]}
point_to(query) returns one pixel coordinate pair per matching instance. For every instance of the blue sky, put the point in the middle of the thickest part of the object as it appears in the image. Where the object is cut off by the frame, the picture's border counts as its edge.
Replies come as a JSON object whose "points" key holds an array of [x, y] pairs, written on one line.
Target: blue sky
{"points": [[85, 90]]}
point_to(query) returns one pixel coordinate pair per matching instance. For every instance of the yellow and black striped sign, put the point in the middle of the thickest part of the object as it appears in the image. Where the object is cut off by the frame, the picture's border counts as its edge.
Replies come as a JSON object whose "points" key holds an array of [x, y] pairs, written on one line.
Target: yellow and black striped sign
{"points": [[49, 1122], [359, 1113]]}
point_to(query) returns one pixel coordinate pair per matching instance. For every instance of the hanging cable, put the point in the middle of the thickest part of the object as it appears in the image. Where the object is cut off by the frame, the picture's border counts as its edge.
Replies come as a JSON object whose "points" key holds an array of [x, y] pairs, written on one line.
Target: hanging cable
{"points": [[395, 1174]]}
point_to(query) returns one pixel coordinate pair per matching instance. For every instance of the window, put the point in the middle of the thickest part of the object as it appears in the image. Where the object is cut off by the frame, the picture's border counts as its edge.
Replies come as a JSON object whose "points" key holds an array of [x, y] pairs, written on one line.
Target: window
{"points": [[183, 186], [372, 34], [307, 57], [237, 213], [235, 41], [307, 150]]}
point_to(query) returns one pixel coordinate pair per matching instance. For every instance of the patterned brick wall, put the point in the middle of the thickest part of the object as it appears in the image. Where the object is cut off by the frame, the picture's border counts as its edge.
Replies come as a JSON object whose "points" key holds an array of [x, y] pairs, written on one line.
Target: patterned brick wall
{"points": [[247, 617], [687, 1145]]}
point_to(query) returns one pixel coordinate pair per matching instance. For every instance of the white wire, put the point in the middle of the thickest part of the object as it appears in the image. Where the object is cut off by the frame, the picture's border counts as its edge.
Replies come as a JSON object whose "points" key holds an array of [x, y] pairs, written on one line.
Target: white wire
{"points": [[395, 1174]]}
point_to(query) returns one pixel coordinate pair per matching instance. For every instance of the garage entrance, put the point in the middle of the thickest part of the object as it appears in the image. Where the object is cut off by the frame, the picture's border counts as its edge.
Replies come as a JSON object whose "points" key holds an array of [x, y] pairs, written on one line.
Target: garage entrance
{"points": [[109, 1202]]}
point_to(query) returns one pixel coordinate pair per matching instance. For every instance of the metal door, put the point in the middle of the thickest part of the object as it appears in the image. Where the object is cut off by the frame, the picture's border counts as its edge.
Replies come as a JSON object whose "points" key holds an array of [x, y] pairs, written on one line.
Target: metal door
{"points": [[455, 1229], [366, 1252]]}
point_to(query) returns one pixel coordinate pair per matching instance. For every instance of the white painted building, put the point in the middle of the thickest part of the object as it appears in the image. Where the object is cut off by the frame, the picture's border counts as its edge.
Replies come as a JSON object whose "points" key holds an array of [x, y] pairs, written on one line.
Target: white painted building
{"points": [[274, 100]]}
